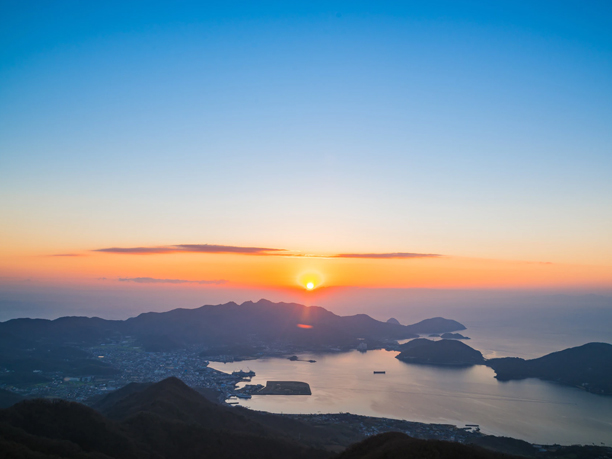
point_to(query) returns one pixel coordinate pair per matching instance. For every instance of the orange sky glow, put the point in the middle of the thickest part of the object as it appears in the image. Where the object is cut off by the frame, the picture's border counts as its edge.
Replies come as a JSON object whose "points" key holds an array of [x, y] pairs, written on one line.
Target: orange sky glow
{"points": [[295, 272]]}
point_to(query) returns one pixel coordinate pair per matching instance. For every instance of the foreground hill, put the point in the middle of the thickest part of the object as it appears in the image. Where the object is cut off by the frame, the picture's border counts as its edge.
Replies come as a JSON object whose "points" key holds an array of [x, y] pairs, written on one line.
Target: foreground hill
{"points": [[8, 398], [395, 445], [443, 352], [249, 325], [588, 366], [163, 420]]}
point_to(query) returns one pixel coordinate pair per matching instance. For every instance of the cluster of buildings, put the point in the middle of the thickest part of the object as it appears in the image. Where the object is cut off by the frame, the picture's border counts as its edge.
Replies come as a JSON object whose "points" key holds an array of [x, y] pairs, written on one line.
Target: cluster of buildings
{"points": [[135, 365], [366, 426]]}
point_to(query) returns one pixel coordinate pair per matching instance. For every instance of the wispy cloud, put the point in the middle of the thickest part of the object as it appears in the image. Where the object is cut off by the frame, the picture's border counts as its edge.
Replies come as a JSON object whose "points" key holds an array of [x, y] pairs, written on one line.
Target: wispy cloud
{"points": [[192, 248], [152, 280], [261, 251], [68, 255], [387, 255]]}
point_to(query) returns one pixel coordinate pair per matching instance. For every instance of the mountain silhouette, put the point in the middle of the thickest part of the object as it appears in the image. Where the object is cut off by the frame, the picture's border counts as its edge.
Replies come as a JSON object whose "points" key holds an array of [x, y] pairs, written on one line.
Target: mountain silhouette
{"points": [[230, 324], [443, 352], [588, 367], [396, 445], [162, 420]]}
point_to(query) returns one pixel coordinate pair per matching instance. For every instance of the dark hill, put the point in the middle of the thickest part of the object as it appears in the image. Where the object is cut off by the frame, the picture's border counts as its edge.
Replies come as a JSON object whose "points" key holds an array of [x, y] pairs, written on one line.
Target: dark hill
{"points": [[444, 352], [8, 398], [393, 320], [395, 445], [264, 321], [453, 336], [229, 325], [65, 330], [588, 367], [67, 429], [414, 343], [435, 325], [172, 400], [163, 420], [105, 403]]}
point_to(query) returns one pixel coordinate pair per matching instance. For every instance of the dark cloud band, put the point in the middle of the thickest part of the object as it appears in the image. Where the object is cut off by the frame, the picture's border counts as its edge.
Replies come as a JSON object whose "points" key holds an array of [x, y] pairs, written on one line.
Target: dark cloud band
{"points": [[192, 248], [151, 280], [262, 251]]}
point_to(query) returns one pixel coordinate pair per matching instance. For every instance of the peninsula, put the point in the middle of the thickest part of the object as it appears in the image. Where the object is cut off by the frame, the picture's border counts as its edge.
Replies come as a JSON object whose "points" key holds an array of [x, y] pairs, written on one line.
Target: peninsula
{"points": [[588, 367]]}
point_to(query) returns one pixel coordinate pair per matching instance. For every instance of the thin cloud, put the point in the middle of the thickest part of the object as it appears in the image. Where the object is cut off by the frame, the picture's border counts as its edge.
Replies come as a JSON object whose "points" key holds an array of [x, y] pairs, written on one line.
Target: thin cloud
{"points": [[137, 250], [152, 280], [386, 255], [68, 255], [192, 248], [261, 251]]}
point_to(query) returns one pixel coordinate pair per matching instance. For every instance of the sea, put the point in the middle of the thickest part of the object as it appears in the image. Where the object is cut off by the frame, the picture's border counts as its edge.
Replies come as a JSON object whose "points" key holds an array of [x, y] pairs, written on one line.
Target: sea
{"points": [[539, 412], [500, 324]]}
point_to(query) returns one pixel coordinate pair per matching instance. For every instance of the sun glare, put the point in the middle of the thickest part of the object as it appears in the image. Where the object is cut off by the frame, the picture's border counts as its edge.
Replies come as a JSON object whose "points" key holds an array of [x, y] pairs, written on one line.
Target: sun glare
{"points": [[310, 280]]}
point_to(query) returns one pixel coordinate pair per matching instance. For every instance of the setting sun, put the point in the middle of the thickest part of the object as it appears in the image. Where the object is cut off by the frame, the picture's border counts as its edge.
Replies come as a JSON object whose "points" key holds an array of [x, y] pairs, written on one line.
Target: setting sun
{"points": [[309, 285]]}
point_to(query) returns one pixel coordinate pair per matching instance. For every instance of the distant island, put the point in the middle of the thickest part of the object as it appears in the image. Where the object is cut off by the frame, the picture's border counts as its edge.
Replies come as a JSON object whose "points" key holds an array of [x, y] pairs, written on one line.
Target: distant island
{"points": [[588, 367], [442, 352], [453, 336]]}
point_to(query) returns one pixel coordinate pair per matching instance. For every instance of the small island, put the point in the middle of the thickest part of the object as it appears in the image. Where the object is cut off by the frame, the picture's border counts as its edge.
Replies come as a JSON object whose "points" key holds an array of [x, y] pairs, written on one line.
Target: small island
{"points": [[444, 352], [452, 336], [295, 358], [285, 388]]}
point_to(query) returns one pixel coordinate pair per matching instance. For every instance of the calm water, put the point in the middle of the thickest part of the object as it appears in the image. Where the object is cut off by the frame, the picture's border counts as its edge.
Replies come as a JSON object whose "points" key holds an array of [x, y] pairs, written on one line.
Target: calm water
{"points": [[533, 410]]}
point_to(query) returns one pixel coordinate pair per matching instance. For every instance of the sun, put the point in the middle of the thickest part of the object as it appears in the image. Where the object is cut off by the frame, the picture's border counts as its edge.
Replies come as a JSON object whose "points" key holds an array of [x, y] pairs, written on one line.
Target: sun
{"points": [[310, 280]]}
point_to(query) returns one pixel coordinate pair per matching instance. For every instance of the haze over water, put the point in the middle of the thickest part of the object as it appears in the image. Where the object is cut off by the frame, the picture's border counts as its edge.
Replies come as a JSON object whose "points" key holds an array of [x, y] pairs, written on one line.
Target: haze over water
{"points": [[532, 410]]}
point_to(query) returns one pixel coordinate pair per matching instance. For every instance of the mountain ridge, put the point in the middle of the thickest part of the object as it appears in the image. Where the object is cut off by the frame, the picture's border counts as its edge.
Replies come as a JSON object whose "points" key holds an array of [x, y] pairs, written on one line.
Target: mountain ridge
{"points": [[227, 324]]}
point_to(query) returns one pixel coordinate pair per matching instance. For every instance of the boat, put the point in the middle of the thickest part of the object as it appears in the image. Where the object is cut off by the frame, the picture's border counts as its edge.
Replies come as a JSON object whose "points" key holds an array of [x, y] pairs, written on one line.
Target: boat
{"points": [[379, 372]]}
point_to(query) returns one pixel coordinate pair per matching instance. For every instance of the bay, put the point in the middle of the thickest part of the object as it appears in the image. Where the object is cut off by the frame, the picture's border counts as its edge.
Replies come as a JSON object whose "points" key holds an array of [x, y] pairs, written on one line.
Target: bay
{"points": [[532, 410]]}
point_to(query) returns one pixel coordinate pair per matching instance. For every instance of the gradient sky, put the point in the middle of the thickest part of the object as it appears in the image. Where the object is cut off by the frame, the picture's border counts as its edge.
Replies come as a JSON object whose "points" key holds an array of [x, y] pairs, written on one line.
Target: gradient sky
{"points": [[477, 131]]}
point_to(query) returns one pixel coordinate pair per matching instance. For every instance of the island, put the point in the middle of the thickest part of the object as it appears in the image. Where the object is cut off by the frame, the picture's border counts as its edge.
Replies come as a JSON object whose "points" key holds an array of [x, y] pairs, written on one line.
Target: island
{"points": [[443, 352], [588, 367], [285, 388], [452, 336], [295, 358]]}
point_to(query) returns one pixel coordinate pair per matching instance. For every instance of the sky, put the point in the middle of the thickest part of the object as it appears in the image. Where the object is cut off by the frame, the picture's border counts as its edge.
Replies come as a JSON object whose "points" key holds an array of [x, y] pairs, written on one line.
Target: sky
{"points": [[227, 145]]}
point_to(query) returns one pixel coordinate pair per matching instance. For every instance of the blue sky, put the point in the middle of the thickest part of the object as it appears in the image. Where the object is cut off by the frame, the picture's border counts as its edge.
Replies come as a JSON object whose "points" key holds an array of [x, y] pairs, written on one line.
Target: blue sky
{"points": [[465, 128]]}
